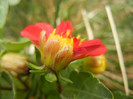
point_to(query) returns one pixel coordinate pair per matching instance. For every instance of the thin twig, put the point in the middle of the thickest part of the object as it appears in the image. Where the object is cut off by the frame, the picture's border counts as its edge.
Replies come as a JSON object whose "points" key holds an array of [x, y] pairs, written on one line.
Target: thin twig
{"points": [[118, 47], [87, 25]]}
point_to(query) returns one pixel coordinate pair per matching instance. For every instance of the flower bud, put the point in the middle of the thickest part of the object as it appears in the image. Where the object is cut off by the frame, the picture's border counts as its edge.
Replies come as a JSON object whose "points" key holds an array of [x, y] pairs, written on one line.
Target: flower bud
{"points": [[14, 63], [96, 64]]}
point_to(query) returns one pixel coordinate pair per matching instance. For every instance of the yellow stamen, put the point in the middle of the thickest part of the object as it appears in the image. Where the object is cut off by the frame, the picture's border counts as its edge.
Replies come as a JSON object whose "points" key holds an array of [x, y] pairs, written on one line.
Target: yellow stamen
{"points": [[81, 41], [67, 33], [78, 36], [63, 41]]}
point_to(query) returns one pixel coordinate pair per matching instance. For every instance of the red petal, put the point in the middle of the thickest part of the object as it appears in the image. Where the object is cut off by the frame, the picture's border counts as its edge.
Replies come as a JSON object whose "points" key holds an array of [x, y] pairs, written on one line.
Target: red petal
{"points": [[69, 26], [76, 42], [46, 27], [63, 27], [101, 50], [32, 32], [89, 48]]}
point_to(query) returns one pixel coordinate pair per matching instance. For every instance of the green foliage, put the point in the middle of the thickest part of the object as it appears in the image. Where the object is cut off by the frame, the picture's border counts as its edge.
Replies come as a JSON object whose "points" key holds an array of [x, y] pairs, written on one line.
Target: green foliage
{"points": [[121, 95], [38, 57], [64, 78], [85, 86], [3, 12], [7, 77], [32, 66], [2, 53], [5, 95], [14, 2], [50, 77], [50, 89], [13, 46]]}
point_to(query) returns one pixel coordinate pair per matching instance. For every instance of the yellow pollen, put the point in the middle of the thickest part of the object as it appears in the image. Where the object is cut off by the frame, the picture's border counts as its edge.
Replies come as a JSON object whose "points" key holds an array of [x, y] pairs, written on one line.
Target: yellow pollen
{"points": [[63, 41], [67, 33], [78, 36], [81, 41]]}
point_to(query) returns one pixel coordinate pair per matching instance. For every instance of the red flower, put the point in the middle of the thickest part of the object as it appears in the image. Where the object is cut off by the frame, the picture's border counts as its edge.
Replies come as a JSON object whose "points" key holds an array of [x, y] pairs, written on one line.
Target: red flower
{"points": [[58, 47]]}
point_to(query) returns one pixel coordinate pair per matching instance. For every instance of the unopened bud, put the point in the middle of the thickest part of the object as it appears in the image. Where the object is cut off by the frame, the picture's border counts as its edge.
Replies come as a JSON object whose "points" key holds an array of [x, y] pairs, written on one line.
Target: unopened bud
{"points": [[96, 64], [14, 63]]}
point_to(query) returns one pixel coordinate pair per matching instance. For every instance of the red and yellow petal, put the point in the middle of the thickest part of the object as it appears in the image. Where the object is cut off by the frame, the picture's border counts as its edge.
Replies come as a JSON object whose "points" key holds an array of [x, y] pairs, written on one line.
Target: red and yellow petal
{"points": [[63, 58], [63, 27], [46, 27]]}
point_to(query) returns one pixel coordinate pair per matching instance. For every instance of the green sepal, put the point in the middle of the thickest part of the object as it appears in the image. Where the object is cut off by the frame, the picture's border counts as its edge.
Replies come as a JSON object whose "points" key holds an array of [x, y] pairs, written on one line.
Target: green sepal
{"points": [[50, 77], [34, 67]]}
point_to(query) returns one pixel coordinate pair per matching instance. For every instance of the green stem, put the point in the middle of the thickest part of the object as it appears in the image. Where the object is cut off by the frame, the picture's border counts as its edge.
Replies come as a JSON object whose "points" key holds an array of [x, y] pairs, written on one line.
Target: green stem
{"points": [[58, 82], [1, 33]]}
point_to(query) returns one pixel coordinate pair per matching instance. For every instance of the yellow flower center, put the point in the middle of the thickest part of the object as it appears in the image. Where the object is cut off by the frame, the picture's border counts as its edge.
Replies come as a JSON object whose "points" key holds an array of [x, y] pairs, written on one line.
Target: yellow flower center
{"points": [[63, 41]]}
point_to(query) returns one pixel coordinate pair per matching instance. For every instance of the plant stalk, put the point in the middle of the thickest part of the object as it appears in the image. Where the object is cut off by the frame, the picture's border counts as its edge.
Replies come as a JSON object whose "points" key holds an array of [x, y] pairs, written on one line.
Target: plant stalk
{"points": [[58, 82]]}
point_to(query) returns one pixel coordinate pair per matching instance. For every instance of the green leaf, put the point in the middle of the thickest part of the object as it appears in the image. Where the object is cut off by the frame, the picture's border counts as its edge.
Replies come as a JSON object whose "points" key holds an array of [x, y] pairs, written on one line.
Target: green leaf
{"points": [[54, 95], [6, 77], [37, 71], [10, 80], [14, 2], [86, 86], [65, 79], [50, 89], [32, 66], [5, 95], [50, 77], [38, 57], [3, 12], [13, 46], [121, 95], [35, 85], [75, 65], [2, 53]]}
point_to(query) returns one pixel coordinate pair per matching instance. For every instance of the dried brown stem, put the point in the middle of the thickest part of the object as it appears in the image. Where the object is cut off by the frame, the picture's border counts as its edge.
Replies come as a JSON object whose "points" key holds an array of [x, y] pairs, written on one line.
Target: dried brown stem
{"points": [[118, 47]]}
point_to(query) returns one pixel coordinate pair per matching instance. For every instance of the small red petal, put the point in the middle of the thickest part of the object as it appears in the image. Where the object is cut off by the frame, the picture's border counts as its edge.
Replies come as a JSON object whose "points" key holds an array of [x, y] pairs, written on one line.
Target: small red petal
{"points": [[69, 26], [46, 27], [100, 50], [89, 48], [63, 27], [76, 42], [32, 32], [90, 43], [60, 28]]}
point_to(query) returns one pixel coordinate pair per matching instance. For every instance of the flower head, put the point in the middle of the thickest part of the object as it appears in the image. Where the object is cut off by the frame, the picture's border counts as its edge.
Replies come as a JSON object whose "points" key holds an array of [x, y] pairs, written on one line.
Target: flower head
{"points": [[58, 47]]}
